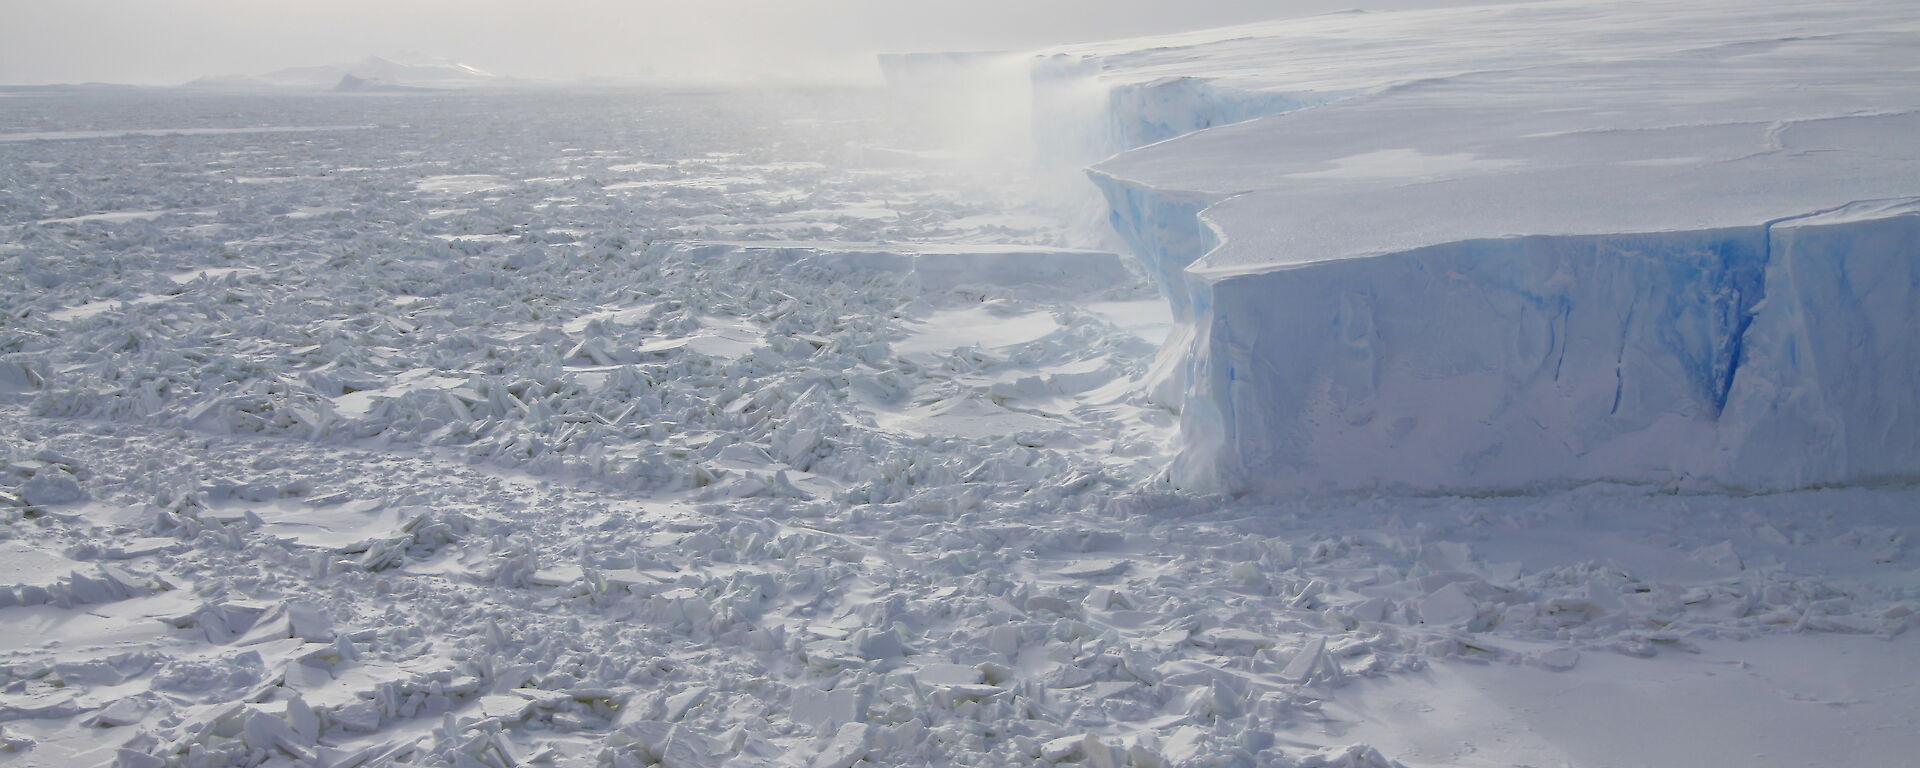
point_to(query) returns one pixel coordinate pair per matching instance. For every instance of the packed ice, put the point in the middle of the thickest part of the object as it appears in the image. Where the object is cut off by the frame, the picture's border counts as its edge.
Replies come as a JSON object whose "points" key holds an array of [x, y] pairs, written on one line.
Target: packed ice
{"points": [[635, 427]]}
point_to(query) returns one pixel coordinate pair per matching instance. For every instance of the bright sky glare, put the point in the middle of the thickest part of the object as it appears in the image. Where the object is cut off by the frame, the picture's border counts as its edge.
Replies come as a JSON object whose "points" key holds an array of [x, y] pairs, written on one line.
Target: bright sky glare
{"points": [[171, 41]]}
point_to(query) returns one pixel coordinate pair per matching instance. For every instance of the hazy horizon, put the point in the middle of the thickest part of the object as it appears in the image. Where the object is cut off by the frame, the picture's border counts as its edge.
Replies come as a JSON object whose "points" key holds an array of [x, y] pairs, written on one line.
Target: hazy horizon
{"points": [[167, 42]]}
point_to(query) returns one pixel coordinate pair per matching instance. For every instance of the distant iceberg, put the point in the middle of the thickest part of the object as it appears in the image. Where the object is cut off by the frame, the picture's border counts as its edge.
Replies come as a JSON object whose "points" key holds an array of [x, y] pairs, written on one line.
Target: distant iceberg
{"points": [[404, 72]]}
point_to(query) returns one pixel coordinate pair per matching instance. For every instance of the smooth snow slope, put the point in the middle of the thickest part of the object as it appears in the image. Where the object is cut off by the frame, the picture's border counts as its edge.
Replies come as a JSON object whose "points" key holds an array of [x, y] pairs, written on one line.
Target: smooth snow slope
{"points": [[1532, 245]]}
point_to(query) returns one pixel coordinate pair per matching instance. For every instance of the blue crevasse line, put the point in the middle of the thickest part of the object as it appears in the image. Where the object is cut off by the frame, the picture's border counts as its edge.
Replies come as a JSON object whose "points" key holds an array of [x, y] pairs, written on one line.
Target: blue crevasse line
{"points": [[1749, 287], [1559, 342], [1746, 281], [1705, 322], [1620, 357]]}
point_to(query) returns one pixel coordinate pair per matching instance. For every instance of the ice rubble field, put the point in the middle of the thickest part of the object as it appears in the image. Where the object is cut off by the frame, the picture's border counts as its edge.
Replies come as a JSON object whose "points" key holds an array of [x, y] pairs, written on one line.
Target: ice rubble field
{"points": [[622, 429]]}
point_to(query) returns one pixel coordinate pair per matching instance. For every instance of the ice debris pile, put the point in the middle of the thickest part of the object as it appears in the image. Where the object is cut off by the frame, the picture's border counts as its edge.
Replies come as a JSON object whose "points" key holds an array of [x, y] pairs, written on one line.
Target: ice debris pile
{"points": [[353, 605], [1652, 242]]}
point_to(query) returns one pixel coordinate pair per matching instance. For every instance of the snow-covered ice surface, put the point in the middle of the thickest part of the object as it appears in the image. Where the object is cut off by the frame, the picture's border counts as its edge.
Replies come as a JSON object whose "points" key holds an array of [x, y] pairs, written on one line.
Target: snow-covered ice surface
{"points": [[724, 429], [1652, 242]]}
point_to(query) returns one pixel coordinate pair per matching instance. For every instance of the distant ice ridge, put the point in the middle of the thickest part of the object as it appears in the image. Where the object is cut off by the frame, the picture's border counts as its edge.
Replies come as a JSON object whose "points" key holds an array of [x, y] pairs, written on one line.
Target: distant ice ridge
{"points": [[402, 71], [1523, 246]]}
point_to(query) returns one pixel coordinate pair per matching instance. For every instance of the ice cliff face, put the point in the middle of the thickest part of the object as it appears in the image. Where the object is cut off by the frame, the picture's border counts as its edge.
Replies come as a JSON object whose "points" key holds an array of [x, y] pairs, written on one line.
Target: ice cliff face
{"points": [[1829, 389], [1678, 246], [1760, 357]]}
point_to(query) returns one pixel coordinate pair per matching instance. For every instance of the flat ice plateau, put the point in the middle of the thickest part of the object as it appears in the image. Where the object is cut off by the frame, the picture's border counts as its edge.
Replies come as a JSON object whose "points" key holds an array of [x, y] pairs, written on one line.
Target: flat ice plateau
{"points": [[1518, 246], [634, 428]]}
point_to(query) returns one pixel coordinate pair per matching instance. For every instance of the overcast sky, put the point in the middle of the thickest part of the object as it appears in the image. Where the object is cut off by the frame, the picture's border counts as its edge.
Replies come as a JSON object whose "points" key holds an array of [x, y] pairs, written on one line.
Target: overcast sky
{"points": [[172, 41]]}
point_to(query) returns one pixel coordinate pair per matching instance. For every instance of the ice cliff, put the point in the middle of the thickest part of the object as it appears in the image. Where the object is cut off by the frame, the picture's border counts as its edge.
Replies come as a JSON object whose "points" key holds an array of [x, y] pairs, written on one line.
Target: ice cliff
{"points": [[1514, 247]]}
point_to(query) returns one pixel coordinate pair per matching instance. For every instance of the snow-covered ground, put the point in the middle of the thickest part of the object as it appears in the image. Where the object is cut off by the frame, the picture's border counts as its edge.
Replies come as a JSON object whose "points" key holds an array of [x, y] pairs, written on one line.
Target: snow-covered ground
{"points": [[626, 428]]}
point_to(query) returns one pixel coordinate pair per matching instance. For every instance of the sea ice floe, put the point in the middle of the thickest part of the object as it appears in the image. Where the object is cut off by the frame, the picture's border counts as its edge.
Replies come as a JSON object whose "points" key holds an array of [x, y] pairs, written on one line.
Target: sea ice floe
{"points": [[461, 184]]}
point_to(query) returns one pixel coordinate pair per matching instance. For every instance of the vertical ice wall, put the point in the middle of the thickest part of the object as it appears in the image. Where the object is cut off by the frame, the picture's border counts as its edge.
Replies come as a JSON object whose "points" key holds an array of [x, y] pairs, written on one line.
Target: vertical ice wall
{"points": [[1364, 306], [1829, 385], [1769, 357], [1165, 233]]}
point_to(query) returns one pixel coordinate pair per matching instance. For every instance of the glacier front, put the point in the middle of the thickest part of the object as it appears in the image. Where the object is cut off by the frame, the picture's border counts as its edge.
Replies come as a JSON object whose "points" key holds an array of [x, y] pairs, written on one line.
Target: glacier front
{"points": [[1512, 247]]}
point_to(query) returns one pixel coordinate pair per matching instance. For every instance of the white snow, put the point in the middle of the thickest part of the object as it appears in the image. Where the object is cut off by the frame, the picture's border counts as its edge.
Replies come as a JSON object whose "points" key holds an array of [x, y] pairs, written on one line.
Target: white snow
{"points": [[951, 329], [461, 184], [499, 459], [1678, 709], [1149, 319], [21, 565]]}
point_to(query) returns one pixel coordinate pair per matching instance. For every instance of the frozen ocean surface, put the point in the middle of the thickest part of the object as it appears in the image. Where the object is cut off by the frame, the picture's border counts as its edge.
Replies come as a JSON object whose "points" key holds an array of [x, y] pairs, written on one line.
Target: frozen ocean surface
{"points": [[622, 428]]}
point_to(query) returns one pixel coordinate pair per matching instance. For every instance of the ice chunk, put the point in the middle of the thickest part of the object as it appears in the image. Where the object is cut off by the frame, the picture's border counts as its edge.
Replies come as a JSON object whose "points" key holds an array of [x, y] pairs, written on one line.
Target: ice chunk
{"points": [[292, 618], [1087, 748], [360, 401], [849, 745], [337, 527], [1096, 568], [1312, 665], [1449, 606], [1558, 659], [360, 716], [948, 674], [51, 486], [17, 377], [825, 709], [123, 712], [1721, 555]]}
